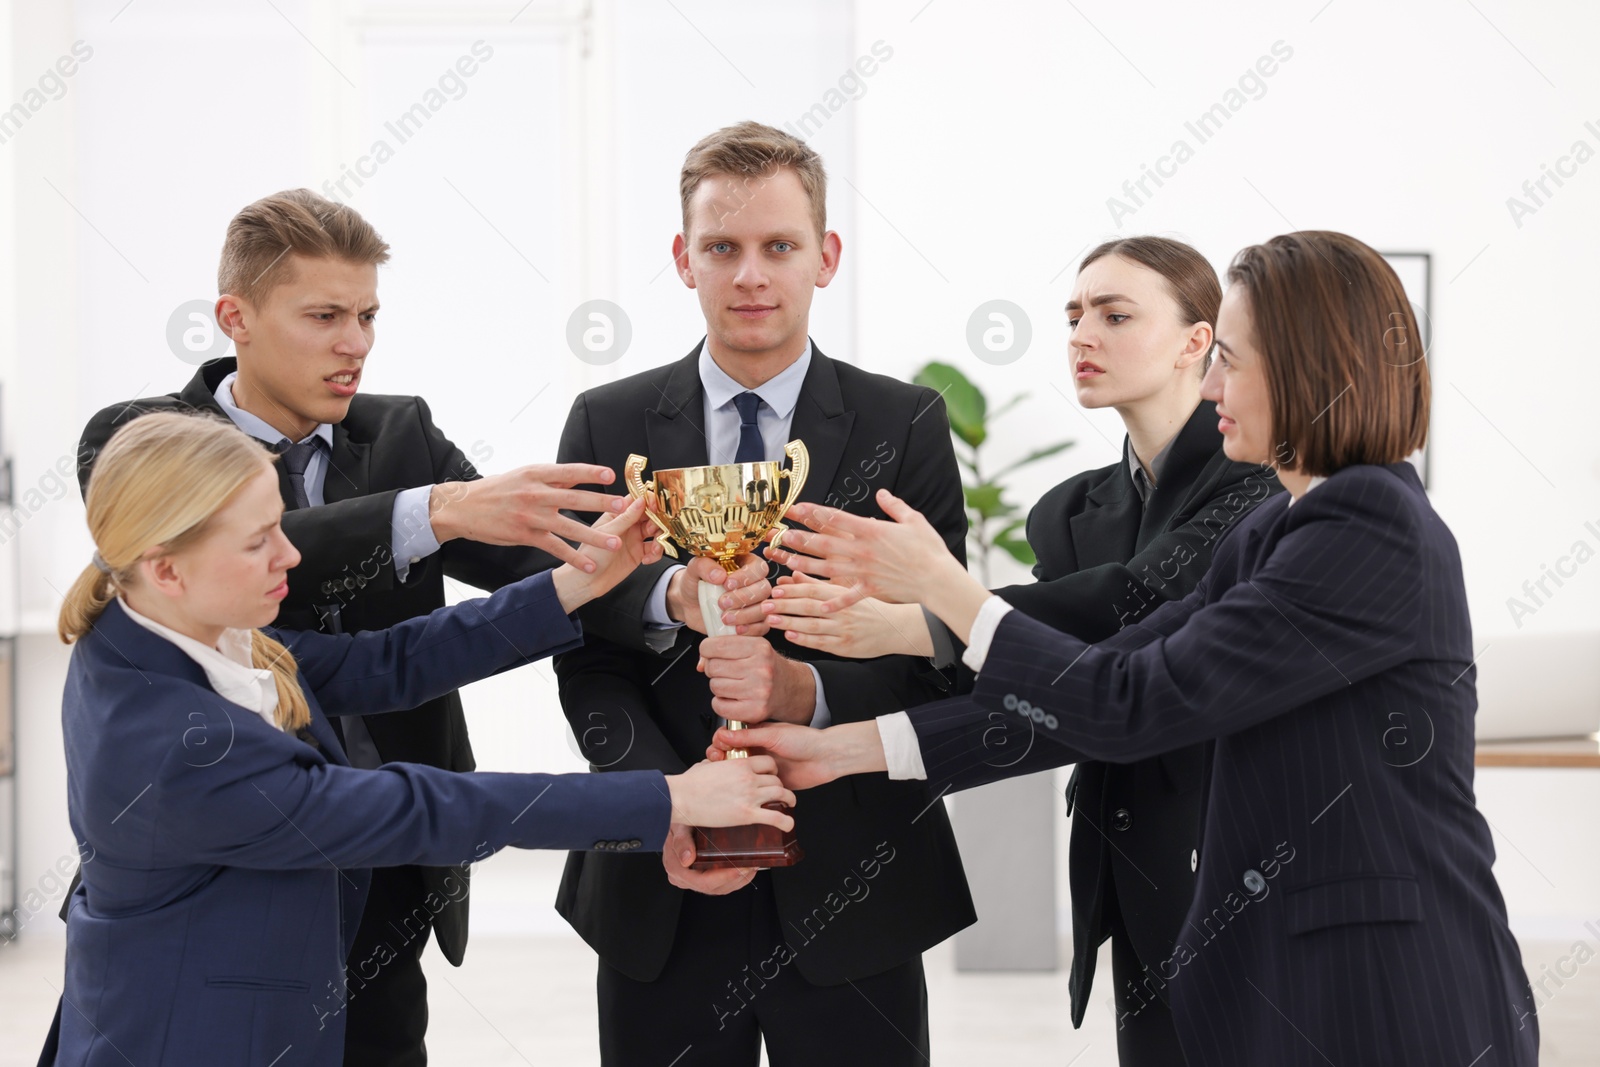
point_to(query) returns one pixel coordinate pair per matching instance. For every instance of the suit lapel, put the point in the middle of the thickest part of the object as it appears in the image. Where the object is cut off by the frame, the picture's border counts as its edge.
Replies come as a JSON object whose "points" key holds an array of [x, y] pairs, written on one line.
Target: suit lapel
{"points": [[674, 429], [1197, 442], [1104, 532], [322, 730], [821, 421], [121, 641], [348, 475]]}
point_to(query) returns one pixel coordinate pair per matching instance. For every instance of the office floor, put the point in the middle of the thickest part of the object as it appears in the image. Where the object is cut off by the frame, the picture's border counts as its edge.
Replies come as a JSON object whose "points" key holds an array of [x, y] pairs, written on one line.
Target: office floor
{"points": [[530, 1000]]}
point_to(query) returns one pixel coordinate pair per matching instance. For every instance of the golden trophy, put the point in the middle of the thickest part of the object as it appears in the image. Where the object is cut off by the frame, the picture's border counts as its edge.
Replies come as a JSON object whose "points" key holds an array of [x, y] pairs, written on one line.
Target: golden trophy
{"points": [[722, 512]]}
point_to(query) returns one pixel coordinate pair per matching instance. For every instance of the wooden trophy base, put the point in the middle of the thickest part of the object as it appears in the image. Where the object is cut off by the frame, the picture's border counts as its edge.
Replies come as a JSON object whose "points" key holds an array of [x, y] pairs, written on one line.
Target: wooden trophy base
{"points": [[759, 845]]}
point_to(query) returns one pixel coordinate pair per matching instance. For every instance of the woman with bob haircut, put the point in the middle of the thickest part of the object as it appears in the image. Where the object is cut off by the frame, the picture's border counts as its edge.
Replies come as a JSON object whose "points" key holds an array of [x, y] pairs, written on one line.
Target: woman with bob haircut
{"points": [[1345, 910], [230, 838]]}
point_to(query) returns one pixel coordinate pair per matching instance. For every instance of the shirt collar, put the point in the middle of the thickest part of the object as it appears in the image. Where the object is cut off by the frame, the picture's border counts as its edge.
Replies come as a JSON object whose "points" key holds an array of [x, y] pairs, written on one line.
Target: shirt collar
{"points": [[257, 427], [229, 667], [780, 393], [1316, 480], [1145, 485]]}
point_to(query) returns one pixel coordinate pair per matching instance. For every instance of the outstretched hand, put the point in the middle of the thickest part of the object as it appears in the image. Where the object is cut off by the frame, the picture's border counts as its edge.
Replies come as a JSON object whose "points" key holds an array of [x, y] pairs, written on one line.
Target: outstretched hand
{"points": [[805, 757], [895, 561], [531, 505], [597, 570], [731, 793], [837, 618]]}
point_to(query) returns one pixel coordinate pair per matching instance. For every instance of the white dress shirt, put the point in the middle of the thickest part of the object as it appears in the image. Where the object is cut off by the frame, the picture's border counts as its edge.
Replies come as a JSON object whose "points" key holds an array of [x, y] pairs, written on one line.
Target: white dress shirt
{"points": [[410, 528], [229, 667]]}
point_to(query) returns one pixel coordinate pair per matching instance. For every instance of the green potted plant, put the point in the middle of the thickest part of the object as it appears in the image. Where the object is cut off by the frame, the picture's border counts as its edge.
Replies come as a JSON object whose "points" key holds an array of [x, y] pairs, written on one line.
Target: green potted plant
{"points": [[993, 522]]}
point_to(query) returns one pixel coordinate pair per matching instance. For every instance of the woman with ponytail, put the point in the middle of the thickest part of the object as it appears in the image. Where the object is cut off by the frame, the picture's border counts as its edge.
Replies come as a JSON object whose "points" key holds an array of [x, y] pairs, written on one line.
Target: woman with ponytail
{"points": [[231, 838]]}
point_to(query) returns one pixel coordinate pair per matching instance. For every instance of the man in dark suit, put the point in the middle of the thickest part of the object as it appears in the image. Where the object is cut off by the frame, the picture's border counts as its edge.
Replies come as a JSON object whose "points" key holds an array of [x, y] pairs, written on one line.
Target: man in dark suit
{"points": [[382, 506], [823, 959]]}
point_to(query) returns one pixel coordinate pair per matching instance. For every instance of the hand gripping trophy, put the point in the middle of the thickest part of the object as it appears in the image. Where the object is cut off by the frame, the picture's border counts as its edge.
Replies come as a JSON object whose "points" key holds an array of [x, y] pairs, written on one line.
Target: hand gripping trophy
{"points": [[722, 512]]}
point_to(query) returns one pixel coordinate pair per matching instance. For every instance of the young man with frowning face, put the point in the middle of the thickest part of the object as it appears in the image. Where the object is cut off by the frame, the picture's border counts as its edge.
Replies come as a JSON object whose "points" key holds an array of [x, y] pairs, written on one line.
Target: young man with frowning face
{"points": [[821, 959]]}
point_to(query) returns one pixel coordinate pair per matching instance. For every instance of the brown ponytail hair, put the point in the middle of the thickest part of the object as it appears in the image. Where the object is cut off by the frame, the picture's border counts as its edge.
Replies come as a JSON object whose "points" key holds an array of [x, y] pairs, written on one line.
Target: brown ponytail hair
{"points": [[155, 487]]}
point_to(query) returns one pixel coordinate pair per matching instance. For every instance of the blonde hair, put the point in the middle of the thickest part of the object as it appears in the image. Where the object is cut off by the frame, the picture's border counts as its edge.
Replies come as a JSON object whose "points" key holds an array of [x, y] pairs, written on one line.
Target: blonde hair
{"points": [[254, 255], [752, 150], [154, 490]]}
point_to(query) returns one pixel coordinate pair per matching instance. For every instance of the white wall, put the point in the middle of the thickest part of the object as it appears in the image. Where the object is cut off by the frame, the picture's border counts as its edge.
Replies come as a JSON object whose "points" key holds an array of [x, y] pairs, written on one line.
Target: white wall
{"points": [[976, 165]]}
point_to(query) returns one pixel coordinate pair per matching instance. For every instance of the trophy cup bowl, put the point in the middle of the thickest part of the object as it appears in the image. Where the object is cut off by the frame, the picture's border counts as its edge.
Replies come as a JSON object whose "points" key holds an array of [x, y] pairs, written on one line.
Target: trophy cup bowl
{"points": [[722, 512]]}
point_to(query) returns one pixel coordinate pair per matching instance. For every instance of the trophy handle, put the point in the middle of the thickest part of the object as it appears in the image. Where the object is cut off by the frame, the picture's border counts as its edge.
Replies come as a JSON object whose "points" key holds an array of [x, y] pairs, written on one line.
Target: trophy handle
{"points": [[638, 488], [799, 468], [796, 474]]}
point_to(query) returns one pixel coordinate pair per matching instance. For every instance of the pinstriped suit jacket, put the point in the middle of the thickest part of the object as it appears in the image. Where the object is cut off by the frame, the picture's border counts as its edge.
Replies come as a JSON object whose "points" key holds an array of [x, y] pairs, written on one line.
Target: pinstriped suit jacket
{"points": [[1345, 910]]}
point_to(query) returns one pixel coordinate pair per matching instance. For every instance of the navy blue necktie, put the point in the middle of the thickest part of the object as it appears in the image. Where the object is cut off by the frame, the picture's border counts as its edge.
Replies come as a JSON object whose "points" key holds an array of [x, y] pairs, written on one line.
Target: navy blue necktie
{"points": [[751, 448], [296, 458]]}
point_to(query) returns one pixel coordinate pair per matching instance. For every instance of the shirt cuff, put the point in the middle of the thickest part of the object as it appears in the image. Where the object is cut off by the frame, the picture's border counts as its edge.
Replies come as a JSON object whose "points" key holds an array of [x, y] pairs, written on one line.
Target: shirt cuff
{"points": [[655, 605], [411, 531], [660, 632], [820, 719], [983, 627], [902, 752]]}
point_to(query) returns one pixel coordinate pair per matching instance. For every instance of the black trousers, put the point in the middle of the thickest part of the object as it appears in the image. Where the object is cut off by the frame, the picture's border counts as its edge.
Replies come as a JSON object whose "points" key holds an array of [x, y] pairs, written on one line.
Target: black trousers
{"points": [[1146, 1036], [387, 1010], [732, 980]]}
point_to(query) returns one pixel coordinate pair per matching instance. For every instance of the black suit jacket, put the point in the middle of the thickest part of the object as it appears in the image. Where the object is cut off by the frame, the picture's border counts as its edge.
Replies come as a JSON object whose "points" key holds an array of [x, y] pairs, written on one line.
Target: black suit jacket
{"points": [[1106, 560], [1345, 910], [881, 879], [384, 445]]}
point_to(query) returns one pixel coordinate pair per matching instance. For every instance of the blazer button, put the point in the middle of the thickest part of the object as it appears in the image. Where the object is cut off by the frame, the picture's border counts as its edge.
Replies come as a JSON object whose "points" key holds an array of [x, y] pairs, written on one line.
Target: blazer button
{"points": [[1121, 819], [327, 587], [349, 583], [601, 846], [636, 843], [1253, 882], [1194, 859]]}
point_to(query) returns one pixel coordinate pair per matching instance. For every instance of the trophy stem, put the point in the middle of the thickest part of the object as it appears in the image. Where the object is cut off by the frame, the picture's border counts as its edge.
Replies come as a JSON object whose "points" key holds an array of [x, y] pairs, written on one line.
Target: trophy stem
{"points": [[738, 846], [711, 615]]}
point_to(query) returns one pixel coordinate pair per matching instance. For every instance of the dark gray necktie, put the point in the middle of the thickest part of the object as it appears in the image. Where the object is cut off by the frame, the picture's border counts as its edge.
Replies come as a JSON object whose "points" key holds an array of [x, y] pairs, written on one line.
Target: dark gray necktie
{"points": [[751, 448], [296, 458]]}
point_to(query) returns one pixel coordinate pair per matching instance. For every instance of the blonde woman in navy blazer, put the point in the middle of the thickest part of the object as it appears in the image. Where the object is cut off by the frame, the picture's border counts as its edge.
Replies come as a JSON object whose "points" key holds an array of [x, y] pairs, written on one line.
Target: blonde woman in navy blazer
{"points": [[230, 837], [1345, 910]]}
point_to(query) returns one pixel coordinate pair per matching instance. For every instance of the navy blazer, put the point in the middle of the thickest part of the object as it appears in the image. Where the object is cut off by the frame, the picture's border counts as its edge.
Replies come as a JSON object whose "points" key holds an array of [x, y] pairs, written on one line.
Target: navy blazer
{"points": [[1345, 910], [225, 859]]}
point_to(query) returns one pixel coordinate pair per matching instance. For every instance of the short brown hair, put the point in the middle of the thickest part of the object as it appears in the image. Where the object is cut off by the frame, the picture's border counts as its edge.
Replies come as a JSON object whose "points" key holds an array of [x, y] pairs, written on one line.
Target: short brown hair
{"points": [[753, 150], [1343, 358], [255, 256], [1190, 277]]}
